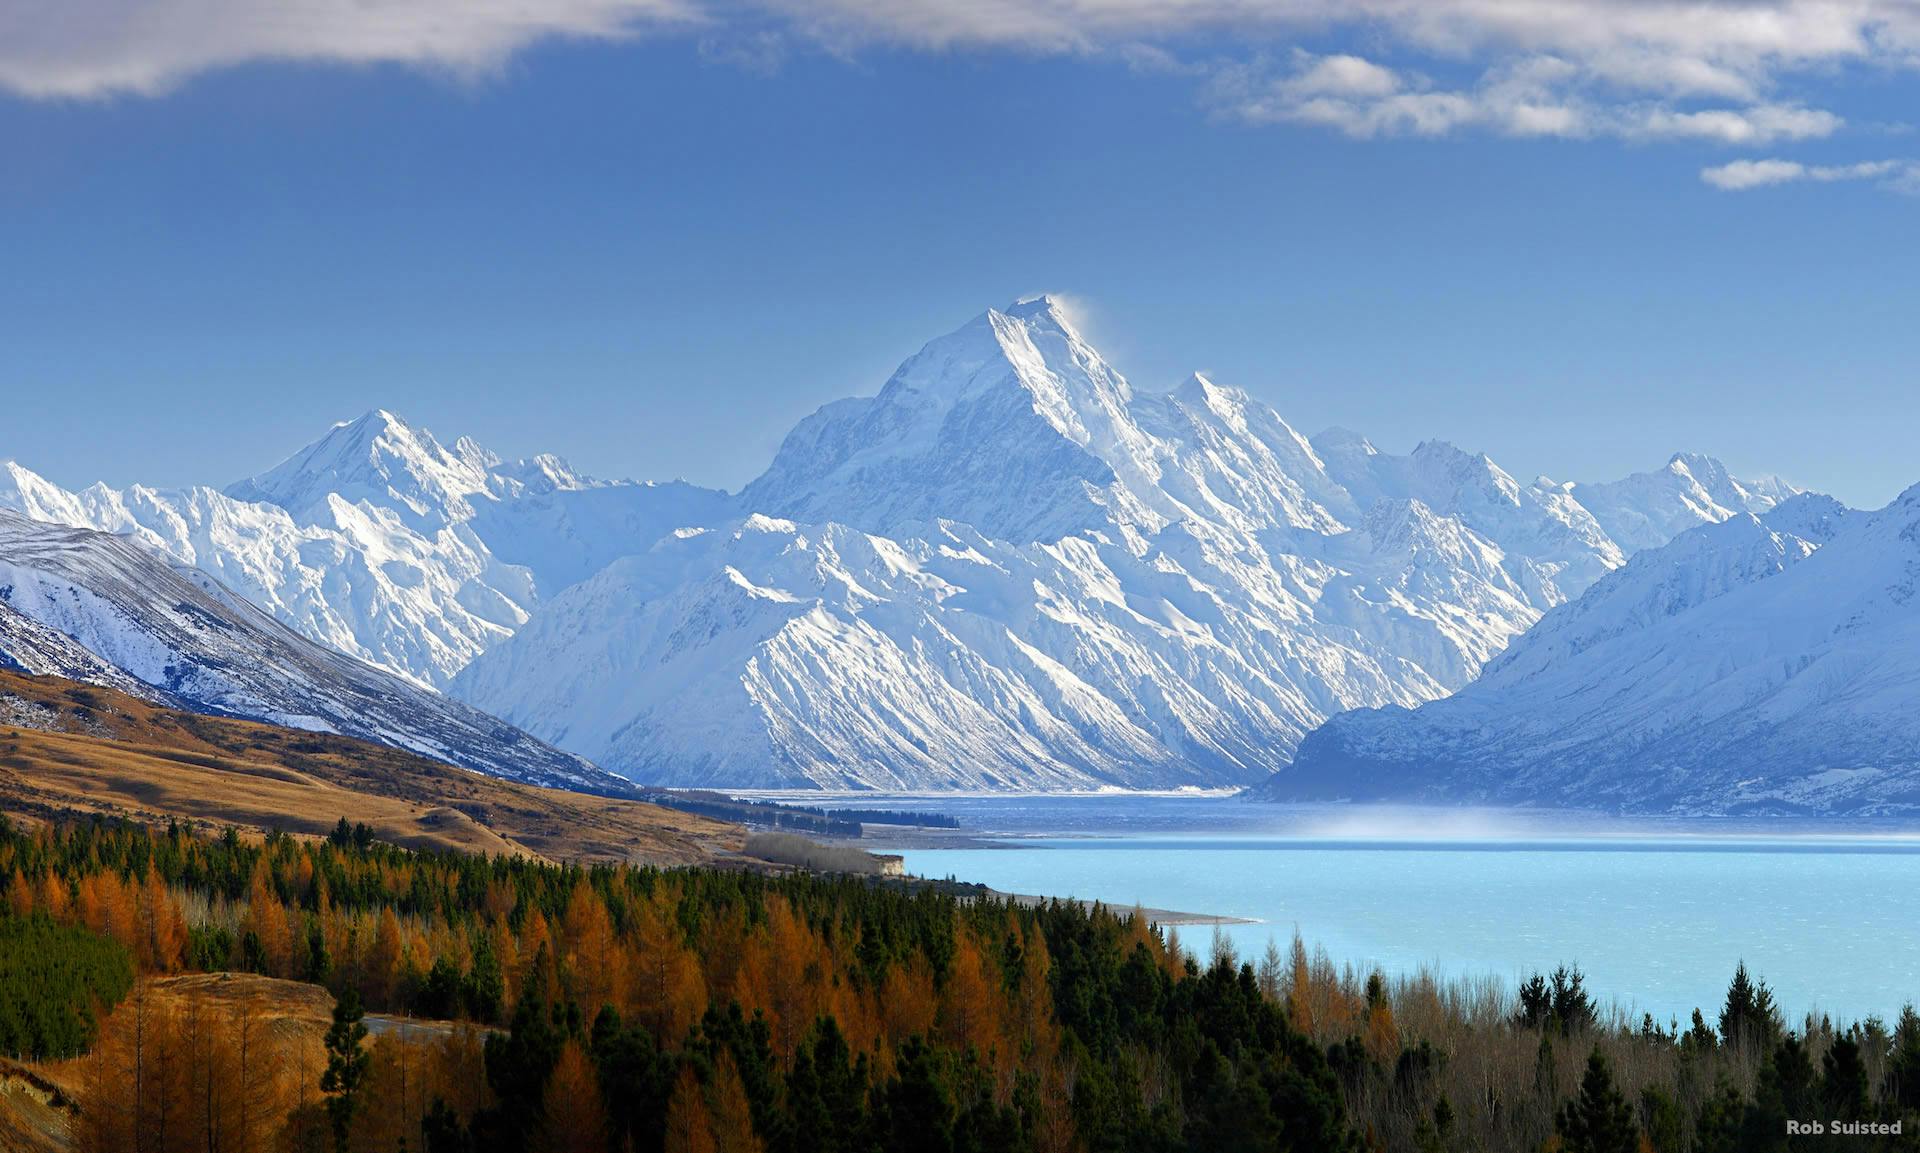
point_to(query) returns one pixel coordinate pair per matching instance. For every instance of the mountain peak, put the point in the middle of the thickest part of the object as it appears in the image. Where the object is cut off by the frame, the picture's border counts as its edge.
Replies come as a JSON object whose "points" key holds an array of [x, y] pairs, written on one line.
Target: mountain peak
{"points": [[1337, 438], [1811, 516], [1041, 307], [989, 424], [1200, 390], [376, 458], [1698, 465], [26, 492], [369, 426]]}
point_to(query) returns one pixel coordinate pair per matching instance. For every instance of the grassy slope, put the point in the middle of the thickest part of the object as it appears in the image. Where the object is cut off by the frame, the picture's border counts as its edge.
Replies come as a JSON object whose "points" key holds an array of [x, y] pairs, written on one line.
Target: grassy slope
{"points": [[66, 747]]}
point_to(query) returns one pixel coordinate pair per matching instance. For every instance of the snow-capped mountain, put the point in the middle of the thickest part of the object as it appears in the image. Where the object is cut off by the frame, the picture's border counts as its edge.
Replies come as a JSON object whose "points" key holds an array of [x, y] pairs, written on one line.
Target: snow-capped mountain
{"points": [[1009, 569], [109, 610], [379, 542], [1648, 509], [1764, 663]]}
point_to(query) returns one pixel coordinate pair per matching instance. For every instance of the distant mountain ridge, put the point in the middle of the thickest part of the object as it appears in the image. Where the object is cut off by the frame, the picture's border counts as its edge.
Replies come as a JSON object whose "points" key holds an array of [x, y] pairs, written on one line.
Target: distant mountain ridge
{"points": [[380, 542], [1764, 664], [1006, 569]]}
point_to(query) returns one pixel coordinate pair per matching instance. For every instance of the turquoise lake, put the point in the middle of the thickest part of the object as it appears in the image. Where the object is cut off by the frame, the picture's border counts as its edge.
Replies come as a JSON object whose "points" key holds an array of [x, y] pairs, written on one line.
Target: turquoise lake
{"points": [[1656, 914]]}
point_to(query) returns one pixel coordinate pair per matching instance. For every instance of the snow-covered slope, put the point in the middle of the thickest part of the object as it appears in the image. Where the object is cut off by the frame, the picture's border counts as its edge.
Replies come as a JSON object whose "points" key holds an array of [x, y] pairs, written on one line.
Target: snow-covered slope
{"points": [[107, 609], [28, 646], [1766, 662], [770, 653], [1009, 569]]}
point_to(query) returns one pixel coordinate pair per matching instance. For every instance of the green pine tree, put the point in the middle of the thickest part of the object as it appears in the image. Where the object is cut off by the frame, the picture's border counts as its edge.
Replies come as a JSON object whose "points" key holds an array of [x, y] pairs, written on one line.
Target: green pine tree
{"points": [[1749, 1016], [1599, 1120], [348, 1065]]}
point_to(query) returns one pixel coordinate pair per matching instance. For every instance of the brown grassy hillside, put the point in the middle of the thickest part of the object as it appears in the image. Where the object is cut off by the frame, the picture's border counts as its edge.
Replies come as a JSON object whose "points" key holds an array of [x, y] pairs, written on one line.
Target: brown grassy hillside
{"points": [[67, 747]]}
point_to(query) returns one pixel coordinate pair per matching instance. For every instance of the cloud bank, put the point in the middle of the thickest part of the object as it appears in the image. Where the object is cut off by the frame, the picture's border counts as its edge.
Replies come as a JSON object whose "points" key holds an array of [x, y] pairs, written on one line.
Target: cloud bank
{"points": [[1721, 72], [96, 48], [1538, 96]]}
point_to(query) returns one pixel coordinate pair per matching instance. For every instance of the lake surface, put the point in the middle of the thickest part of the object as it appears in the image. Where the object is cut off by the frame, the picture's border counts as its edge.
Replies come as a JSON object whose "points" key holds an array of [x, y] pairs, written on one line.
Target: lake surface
{"points": [[1656, 914]]}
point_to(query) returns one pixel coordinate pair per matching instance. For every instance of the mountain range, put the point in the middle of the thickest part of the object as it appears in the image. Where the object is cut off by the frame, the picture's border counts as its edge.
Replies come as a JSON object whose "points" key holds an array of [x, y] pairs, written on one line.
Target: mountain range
{"points": [[1006, 569], [1765, 664]]}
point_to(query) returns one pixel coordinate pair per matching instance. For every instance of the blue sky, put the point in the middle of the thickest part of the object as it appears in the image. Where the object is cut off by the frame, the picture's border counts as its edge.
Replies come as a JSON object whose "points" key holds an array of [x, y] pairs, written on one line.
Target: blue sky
{"points": [[653, 238]]}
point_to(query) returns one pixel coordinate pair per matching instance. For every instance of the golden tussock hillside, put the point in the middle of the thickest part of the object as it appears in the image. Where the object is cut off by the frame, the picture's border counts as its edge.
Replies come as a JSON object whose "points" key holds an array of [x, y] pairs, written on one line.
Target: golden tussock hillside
{"points": [[68, 747]]}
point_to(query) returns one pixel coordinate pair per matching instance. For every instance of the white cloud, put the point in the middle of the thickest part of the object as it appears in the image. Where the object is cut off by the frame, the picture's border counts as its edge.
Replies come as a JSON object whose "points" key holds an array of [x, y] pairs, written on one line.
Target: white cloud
{"points": [[88, 48], [1346, 76], [1705, 70], [1700, 46], [1711, 48], [1740, 175], [1709, 70], [1534, 96], [1757, 124]]}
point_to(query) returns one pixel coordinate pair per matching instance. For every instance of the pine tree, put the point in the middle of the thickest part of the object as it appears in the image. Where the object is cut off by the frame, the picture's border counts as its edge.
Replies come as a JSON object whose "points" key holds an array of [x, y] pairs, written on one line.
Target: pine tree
{"points": [[348, 1063], [442, 1132], [1573, 1008], [1599, 1120], [1438, 1135], [1664, 1119], [1843, 1080], [1699, 1037], [1749, 1016], [1717, 1129], [1903, 1069]]}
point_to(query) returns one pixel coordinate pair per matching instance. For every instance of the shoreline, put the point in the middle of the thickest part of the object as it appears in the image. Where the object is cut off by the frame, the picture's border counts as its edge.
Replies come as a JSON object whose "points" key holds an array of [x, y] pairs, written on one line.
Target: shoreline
{"points": [[974, 890], [1153, 916]]}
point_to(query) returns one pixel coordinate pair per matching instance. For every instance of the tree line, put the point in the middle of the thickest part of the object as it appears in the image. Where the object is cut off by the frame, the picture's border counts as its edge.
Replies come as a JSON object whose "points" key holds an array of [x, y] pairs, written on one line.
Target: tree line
{"points": [[558, 1007]]}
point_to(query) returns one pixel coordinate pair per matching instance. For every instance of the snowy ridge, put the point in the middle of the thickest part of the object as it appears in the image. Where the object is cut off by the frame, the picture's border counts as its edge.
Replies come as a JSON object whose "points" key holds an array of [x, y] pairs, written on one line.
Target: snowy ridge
{"points": [[109, 610], [1767, 663]]}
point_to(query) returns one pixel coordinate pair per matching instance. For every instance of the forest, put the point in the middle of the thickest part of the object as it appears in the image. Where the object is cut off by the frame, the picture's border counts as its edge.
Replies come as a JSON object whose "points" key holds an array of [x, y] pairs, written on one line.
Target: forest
{"points": [[473, 1003]]}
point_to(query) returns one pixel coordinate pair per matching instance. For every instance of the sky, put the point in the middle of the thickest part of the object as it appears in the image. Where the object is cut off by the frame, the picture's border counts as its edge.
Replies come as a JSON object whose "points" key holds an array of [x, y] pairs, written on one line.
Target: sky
{"points": [[650, 235]]}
